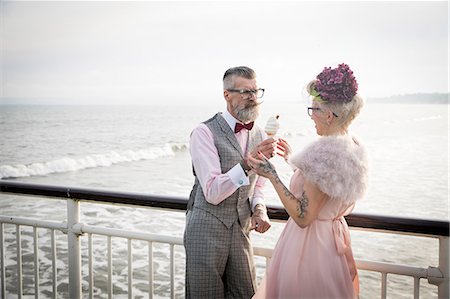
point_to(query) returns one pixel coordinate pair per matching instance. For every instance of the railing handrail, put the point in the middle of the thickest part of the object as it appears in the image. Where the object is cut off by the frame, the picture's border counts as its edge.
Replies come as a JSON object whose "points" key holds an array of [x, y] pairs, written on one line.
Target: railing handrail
{"points": [[356, 220]]}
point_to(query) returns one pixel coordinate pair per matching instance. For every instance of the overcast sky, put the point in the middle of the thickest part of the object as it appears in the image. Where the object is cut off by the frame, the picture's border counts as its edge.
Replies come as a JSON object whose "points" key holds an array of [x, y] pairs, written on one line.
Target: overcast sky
{"points": [[148, 52]]}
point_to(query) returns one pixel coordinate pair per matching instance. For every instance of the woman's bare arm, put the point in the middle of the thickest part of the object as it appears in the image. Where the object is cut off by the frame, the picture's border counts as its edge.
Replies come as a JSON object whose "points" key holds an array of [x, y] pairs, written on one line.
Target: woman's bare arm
{"points": [[302, 210]]}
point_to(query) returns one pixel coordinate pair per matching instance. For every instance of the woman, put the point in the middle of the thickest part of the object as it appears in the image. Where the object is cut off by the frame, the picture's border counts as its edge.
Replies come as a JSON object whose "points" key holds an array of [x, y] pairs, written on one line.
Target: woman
{"points": [[313, 257]]}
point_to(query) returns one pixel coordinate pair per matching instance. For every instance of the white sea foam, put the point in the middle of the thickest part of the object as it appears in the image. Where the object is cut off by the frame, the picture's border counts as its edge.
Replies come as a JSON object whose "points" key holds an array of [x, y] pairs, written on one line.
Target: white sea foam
{"points": [[66, 164]]}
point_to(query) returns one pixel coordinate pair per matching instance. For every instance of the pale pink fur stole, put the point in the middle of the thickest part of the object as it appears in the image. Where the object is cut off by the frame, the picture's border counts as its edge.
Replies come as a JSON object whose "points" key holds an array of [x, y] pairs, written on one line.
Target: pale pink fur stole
{"points": [[338, 165]]}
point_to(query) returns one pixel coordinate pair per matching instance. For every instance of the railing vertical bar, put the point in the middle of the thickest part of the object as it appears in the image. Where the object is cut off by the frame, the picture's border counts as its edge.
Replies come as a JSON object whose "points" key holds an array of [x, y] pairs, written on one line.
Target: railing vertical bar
{"points": [[2, 261], [383, 285], [110, 284], [54, 269], [74, 248], [19, 262], [150, 270], [130, 269], [36, 263], [444, 249], [172, 271], [91, 268], [416, 287]]}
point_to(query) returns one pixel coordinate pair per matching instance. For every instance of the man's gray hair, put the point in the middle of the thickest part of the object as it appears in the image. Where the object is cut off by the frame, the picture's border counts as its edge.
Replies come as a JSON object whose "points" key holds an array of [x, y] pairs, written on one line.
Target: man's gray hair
{"points": [[239, 71]]}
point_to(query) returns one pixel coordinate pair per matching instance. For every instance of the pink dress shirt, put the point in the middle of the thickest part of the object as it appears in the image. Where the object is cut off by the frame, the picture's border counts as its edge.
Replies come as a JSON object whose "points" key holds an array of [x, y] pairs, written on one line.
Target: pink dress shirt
{"points": [[217, 186]]}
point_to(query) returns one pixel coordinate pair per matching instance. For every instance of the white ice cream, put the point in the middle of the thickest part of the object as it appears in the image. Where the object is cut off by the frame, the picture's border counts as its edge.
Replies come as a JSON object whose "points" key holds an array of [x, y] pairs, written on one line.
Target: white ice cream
{"points": [[272, 126]]}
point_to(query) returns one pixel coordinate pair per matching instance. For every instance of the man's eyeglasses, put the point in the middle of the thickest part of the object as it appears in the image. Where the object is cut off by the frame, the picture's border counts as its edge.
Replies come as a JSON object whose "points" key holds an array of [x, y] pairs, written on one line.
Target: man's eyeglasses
{"points": [[247, 93], [312, 109]]}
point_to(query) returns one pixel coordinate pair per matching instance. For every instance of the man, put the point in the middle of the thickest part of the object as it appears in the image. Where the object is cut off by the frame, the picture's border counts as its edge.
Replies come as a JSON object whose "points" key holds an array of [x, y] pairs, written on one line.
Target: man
{"points": [[219, 254]]}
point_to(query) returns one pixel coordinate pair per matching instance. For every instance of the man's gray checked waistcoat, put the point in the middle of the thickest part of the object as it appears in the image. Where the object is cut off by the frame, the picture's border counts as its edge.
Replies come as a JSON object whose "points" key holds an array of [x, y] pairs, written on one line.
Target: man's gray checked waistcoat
{"points": [[237, 205]]}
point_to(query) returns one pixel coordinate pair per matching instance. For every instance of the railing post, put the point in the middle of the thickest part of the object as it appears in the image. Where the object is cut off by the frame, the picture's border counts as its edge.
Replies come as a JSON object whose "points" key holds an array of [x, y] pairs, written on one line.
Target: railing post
{"points": [[2, 262], [73, 219], [443, 288]]}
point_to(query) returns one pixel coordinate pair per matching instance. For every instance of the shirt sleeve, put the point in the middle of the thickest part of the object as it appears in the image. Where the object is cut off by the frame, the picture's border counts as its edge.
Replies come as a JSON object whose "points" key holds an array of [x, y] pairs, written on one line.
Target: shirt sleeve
{"points": [[206, 162], [258, 195]]}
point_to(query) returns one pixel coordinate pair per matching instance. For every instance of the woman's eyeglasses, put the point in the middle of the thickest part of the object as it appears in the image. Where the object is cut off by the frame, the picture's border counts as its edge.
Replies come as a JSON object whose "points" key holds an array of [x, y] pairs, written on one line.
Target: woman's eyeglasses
{"points": [[312, 109]]}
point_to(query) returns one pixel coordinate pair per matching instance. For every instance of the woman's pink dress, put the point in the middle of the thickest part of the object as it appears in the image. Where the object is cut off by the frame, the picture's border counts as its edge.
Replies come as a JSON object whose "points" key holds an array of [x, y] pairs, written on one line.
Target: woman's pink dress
{"points": [[316, 261]]}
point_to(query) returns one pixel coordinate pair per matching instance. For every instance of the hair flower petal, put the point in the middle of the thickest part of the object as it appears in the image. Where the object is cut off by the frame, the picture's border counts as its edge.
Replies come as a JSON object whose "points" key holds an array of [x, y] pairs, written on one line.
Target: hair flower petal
{"points": [[335, 85]]}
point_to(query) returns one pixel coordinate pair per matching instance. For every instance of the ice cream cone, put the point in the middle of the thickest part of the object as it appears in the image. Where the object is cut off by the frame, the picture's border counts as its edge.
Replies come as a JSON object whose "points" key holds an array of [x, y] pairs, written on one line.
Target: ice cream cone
{"points": [[272, 126]]}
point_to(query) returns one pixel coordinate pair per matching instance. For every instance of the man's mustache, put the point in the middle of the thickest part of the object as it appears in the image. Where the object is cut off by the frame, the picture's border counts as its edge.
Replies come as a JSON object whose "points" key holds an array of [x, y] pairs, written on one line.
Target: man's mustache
{"points": [[254, 104]]}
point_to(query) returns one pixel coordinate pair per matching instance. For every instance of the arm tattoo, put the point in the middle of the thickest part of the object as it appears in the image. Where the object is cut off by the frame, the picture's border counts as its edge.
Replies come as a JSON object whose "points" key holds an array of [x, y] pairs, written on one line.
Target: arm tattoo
{"points": [[288, 193], [302, 205], [266, 167], [302, 202]]}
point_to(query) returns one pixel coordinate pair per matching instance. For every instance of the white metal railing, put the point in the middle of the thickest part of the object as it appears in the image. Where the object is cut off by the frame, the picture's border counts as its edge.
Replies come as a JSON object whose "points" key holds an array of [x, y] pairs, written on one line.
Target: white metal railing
{"points": [[74, 265], [74, 229]]}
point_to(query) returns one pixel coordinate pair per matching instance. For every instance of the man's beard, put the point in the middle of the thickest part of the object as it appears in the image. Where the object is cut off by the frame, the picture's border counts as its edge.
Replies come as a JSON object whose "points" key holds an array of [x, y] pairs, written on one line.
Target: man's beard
{"points": [[247, 113]]}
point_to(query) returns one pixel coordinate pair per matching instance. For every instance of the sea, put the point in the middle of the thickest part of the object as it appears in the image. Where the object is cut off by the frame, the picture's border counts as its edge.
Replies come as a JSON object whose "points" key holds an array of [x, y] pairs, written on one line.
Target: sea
{"points": [[145, 149]]}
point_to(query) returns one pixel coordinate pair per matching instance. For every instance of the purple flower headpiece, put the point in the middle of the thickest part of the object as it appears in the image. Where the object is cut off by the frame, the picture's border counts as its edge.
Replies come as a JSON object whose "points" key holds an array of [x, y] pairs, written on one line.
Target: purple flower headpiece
{"points": [[335, 85]]}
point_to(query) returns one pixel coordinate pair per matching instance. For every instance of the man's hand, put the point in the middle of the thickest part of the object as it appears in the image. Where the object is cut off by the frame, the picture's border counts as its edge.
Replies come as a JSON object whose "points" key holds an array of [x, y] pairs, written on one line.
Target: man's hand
{"points": [[267, 148], [260, 220]]}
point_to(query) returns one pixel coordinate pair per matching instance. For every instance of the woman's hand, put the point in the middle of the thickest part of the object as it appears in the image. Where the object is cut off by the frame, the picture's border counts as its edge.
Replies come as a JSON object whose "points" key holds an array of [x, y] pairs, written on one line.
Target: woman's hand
{"points": [[261, 166], [284, 149]]}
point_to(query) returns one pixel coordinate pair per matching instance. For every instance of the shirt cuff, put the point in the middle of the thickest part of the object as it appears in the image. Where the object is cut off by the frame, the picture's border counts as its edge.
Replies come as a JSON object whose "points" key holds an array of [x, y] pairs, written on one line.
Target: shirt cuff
{"points": [[255, 201], [238, 177]]}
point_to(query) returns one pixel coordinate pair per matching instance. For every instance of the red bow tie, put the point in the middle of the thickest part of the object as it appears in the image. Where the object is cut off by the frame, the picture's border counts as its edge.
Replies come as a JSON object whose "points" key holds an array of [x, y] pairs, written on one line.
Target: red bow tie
{"points": [[240, 126]]}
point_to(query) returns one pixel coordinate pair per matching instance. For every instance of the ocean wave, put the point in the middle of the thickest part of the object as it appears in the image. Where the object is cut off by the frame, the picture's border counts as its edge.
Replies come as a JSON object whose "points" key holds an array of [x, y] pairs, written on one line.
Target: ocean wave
{"points": [[67, 164]]}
